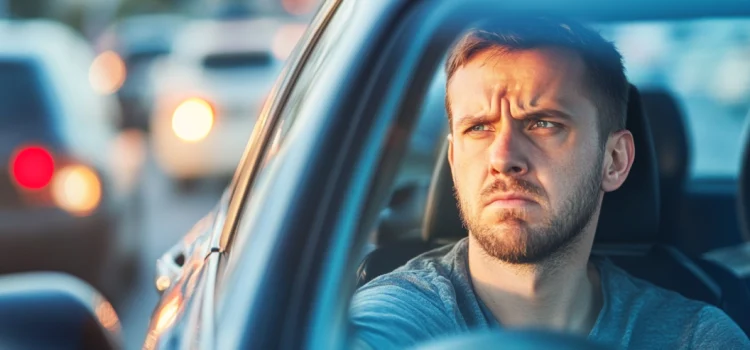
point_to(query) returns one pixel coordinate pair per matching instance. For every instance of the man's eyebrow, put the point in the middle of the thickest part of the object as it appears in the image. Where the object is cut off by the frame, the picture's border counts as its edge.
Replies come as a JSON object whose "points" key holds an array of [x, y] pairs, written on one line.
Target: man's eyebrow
{"points": [[473, 119], [540, 113], [549, 112]]}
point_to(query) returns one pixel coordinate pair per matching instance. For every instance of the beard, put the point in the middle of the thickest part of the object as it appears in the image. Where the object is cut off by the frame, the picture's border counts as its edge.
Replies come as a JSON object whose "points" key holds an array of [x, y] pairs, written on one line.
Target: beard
{"points": [[533, 244]]}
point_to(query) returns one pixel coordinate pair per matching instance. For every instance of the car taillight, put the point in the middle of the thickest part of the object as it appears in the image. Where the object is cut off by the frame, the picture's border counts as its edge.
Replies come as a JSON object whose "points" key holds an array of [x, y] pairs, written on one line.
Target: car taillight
{"points": [[32, 167]]}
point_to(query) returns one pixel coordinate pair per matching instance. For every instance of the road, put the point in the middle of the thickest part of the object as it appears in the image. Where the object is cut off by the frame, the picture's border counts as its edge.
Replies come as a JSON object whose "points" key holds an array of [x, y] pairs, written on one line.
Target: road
{"points": [[168, 215]]}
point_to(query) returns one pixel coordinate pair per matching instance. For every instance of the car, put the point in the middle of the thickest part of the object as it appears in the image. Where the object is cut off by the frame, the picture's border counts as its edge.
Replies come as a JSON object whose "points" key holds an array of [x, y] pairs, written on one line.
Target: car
{"points": [[219, 73], [128, 49], [68, 179], [275, 263]]}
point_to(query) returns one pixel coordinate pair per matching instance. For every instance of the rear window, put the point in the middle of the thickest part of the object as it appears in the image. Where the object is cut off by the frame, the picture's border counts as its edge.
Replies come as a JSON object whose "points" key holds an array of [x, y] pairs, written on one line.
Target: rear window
{"points": [[243, 60], [145, 57], [22, 96], [705, 65]]}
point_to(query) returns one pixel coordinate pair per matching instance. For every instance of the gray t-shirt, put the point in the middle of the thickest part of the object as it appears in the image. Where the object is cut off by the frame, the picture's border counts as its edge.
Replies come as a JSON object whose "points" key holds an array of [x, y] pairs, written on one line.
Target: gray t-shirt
{"points": [[432, 297]]}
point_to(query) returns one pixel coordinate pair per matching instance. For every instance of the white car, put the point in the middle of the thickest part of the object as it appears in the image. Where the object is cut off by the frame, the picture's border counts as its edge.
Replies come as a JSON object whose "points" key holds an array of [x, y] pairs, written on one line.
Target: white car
{"points": [[135, 42], [66, 182], [210, 90]]}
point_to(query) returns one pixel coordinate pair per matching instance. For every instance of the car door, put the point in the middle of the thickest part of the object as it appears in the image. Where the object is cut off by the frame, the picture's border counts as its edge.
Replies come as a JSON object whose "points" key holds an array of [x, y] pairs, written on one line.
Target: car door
{"points": [[187, 274]]}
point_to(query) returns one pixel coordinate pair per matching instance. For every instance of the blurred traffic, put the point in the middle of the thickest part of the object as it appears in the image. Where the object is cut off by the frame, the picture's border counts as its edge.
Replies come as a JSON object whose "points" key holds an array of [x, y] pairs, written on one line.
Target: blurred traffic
{"points": [[121, 122]]}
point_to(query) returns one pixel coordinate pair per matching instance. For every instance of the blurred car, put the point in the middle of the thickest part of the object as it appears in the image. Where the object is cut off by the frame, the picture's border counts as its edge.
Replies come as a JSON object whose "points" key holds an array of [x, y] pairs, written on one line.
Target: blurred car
{"points": [[274, 264], [127, 50], [209, 92], [66, 192]]}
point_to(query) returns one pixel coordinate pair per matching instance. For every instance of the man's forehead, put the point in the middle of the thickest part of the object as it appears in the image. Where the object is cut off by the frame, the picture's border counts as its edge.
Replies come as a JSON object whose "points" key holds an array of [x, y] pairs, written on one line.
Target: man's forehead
{"points": [[549, 73], [540, 65]]}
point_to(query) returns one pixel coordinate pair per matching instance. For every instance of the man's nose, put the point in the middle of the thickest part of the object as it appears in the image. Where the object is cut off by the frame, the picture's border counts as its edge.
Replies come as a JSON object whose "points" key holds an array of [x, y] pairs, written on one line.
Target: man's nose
{"points": [[506, 155]]}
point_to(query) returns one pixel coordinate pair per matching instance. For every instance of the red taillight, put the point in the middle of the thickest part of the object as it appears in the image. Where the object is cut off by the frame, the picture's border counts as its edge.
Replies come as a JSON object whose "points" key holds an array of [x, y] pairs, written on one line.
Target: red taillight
{"points": [[32, 167]]}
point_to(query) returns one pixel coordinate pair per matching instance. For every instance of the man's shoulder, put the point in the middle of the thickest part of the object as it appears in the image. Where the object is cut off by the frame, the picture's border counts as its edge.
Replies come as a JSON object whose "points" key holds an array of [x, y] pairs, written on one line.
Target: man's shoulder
{"points": [[661, 315], [635, 293], [414, 302], [427, 275]]}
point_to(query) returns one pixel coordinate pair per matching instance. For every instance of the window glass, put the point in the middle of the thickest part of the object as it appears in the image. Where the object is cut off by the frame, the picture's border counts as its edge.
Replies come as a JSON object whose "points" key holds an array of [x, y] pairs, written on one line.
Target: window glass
{"points": [[705, 64], [23, 101]]}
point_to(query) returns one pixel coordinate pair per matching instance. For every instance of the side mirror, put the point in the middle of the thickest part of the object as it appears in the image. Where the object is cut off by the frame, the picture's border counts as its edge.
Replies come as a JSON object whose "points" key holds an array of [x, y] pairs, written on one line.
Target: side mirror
{"points": [[46, 310], [169, 267]]}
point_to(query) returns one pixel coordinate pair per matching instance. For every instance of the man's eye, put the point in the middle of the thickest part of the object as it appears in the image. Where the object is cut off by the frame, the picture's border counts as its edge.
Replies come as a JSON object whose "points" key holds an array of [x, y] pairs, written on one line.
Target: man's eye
{"points": [[542, 124], [478, 127]]}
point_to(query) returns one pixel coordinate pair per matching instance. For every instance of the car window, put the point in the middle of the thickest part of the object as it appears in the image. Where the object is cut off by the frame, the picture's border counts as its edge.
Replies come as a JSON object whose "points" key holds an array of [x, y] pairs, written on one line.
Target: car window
{"points": [[239, 60], [705, 65], [283, 123], [23, 102], [295, 100]]}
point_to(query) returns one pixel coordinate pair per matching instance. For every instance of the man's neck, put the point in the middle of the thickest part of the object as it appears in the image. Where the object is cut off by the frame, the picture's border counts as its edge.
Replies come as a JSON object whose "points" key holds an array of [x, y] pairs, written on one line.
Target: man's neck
{"points": [[562, 294]]}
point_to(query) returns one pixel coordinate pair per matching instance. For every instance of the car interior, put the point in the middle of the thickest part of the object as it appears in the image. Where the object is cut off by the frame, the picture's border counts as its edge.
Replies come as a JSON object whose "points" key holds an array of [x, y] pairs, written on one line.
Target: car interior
{"points": [[646, 227]]}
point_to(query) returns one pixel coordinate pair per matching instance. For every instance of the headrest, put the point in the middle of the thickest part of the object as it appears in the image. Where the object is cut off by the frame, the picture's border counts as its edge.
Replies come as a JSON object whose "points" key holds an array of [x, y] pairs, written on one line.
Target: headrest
{"points": [[442, 220], [670, 138], [631, 213], [628, 215], [743, 197]]}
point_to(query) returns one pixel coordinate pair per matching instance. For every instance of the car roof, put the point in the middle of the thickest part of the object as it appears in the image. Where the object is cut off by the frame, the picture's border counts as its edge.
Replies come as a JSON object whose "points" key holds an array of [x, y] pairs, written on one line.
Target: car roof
{"points": [[37, 36], [45, 41], [634, 10]]}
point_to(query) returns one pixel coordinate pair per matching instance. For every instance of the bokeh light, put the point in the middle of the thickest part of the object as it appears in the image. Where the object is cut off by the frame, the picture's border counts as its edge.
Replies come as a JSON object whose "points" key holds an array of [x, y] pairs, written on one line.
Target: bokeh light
{"points": [[32, 167], [299, 7], [286, 39], [193, 120], [77, 190], [107, 73]]}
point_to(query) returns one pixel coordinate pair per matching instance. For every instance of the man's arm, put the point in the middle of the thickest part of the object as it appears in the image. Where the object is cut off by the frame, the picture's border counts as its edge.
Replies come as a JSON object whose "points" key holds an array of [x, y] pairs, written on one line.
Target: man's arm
{"points": [[397, 311]]}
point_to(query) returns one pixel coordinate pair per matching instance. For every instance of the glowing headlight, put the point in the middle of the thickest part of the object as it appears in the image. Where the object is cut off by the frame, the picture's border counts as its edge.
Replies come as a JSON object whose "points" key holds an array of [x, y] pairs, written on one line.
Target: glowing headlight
{"points": [[193, 119]]}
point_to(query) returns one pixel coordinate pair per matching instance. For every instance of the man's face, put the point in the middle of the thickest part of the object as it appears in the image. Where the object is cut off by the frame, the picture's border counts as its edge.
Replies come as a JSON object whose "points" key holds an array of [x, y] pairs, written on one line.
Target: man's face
{"points": [[525, 151]]}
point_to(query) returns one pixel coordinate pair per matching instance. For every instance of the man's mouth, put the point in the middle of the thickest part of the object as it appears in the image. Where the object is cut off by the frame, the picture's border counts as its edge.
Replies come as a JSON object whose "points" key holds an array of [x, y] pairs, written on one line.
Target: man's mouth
{"points": [[510, 200]]}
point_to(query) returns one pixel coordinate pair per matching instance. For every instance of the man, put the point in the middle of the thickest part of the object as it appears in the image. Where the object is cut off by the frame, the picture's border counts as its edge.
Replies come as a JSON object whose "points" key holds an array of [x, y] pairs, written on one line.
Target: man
{"points": [[537, 112]]}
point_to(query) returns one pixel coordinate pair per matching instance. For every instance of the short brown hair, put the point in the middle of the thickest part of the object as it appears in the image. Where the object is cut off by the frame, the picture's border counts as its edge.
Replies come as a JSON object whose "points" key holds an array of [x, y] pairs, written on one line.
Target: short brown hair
{"points": [[605, 74]]}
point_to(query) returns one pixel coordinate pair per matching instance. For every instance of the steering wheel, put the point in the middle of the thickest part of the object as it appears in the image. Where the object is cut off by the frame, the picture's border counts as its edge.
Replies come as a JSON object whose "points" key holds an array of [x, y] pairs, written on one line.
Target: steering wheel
{"points": [[516, 340]]}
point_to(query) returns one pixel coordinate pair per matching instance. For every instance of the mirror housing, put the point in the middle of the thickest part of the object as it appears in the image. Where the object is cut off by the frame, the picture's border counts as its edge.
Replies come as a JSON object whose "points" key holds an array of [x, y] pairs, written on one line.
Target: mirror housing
{"points": [[169, 267], [50, 310]]}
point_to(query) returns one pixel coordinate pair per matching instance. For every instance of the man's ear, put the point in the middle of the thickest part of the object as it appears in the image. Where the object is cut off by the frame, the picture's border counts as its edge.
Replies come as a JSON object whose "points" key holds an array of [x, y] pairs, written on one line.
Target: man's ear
{"points": [[618, 159], [450, 154]]}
